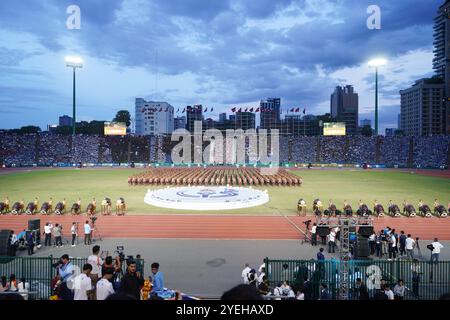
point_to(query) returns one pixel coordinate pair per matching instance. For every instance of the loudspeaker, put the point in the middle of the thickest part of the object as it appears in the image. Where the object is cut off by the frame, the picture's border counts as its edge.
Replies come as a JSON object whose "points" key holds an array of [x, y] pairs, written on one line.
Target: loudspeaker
{"points": [[322, 231], [5, 242], [362, 247], [34, 224], [365, 231]]}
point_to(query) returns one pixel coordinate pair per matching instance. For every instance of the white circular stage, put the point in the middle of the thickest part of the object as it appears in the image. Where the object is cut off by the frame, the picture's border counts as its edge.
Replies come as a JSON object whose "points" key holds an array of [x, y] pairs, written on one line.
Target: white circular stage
{"points": [[206, 198]]}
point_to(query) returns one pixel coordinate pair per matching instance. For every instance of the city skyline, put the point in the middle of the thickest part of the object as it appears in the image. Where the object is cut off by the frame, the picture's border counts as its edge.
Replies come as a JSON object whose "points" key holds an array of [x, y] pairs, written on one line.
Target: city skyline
{"points": [[218, 54]]}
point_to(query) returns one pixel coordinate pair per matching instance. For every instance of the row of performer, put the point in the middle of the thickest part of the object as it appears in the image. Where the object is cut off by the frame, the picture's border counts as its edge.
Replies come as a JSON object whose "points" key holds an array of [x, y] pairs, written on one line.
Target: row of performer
{"points": [[363, 210], [61, 207]]}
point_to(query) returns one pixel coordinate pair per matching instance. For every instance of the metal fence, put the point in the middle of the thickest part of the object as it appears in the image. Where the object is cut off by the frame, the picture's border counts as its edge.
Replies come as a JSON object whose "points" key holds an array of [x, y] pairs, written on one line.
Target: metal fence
{"points": [[423, 280], [39, 272]]}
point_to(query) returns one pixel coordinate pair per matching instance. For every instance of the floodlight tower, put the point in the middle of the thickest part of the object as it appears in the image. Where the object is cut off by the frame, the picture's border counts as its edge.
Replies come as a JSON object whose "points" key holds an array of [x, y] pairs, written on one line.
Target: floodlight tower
{"points": [[74, 63], [378, 62]]}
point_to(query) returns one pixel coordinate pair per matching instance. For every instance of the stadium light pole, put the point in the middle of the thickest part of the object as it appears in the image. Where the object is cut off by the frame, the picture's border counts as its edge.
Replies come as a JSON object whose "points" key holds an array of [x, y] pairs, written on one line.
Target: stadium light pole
{"points": [[378, 62], [74, 63]]}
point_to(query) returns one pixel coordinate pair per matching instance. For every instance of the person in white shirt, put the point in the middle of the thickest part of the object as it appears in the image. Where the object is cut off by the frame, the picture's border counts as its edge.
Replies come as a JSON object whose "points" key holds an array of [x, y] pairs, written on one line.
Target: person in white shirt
{"points": [[332, 241], [409, 246], [74, 232], [83, 284], [392, 246], [87, 233], [48, 234], [388, 292], [263, 266], [437, 246], [245, 273], [314, 235], [96, 262], [23, 287], [104, 286], [261, 276], [300, 295]]}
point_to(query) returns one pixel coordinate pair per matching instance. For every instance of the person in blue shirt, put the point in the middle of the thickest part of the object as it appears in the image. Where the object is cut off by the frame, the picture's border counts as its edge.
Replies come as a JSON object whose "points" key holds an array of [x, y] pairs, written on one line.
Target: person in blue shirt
{"points": [[65, 271], [21, 237], [320, 255], [158, 279]]}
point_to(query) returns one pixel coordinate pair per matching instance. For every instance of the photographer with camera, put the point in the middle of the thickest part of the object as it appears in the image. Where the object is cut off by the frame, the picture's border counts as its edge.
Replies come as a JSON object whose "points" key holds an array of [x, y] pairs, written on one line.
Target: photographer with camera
{"points": [[132, 281], [65, 274]]}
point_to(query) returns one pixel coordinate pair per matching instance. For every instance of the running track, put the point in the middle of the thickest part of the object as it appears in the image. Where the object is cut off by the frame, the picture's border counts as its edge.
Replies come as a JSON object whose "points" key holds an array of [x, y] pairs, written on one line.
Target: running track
{"points": [[219, 226]]}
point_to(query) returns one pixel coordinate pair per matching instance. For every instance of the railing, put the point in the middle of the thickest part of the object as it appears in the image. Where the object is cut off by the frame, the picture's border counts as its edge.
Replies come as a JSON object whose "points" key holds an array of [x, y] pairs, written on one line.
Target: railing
{"points": [[423, 280], [38, 272]]}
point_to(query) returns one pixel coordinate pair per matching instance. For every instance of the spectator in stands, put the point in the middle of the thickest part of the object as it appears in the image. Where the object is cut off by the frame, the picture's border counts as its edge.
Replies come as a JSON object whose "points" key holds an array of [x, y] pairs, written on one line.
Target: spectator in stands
{"points": [[104, 286], [131, 282], [388, 292], [158, 279], [83, 283]]}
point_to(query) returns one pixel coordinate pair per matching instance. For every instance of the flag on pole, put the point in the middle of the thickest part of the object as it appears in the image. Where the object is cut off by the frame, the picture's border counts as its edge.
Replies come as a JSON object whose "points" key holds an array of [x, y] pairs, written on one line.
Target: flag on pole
{"points": [[184, 109], [240, 110], [292, 110], [160, 110], [206, 109], [304, 111], [251, 109], [178, 110], [246, 109], [212, 108], [257, 109], [233, 109], [297, 110]]}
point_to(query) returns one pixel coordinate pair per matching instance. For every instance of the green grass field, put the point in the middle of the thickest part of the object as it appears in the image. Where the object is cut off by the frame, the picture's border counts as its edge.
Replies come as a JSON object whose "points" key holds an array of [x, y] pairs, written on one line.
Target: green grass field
{"points": [[325, 184]]}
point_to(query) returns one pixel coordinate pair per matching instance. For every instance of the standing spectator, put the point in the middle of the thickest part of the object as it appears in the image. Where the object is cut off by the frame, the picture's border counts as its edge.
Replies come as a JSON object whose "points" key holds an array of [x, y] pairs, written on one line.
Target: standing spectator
{"points": [[4, 285], [57, 230], [314, 234], [131, 282], [74, 232], [245, 272], [399, 290], [324, 294], [23, 287], [320, 255], [30, 243], [96, 273], [388, 292], [437, 246], [261, 276], [384, 243], [409, 246], [139, 264], [87, 233], [361, 290], [372, 239], [392, 246], [402, 243], [83, 284], [48, 234], [104, 286], [416, 272], [65, 274], [378, 246], [332, 242]]}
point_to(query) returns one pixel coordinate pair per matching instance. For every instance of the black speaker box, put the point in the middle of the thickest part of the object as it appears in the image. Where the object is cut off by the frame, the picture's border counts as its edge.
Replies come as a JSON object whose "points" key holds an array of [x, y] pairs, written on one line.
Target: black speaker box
{"points": [[34, 224], [322, 231], [362, 247], [365, 231], [5, 242]]}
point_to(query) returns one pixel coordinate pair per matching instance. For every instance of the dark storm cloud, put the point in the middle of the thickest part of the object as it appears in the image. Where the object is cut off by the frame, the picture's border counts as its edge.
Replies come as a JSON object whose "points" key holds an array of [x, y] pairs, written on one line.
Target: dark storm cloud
{"points": [[208, 39]]}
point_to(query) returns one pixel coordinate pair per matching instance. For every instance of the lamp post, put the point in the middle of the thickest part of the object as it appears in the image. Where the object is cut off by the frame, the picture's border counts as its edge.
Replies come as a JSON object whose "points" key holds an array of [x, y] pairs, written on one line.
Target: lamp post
{"points": [[74, 62], [376, 63]]}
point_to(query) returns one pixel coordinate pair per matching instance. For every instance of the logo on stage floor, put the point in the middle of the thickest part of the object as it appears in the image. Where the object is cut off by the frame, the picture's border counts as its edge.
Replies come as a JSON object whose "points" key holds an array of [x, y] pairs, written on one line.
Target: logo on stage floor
{"points": [[208, 193]]}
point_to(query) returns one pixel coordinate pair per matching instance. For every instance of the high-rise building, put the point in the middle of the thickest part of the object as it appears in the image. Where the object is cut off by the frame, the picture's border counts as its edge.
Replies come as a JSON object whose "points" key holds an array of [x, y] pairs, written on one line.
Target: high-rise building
{"points": [[153, 118], [222, 117], [422, 111], [65, 120], [344, 108], [365, 122], [194, 113], [245, 120], [179, 123], [270, 113], [441, 61]]}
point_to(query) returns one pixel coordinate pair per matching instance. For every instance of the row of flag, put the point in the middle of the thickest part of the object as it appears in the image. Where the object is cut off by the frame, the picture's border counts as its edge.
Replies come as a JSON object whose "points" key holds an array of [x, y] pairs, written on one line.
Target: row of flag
{"points": [[233, 110]]}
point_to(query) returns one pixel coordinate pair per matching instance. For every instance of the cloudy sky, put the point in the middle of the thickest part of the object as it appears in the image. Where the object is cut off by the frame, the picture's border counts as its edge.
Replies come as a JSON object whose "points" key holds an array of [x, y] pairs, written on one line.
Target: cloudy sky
{"points": [[220, 53]]}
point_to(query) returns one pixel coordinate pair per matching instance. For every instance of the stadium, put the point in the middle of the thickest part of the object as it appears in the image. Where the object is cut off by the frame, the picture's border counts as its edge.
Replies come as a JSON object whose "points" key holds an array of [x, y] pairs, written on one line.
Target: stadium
{"points": [[231, 150], [391, 172]]}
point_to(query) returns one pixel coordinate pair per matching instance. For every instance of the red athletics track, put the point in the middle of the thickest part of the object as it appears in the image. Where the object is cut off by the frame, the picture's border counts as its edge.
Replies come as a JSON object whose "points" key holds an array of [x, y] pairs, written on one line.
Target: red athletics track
{"points": [[219, 226]]}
